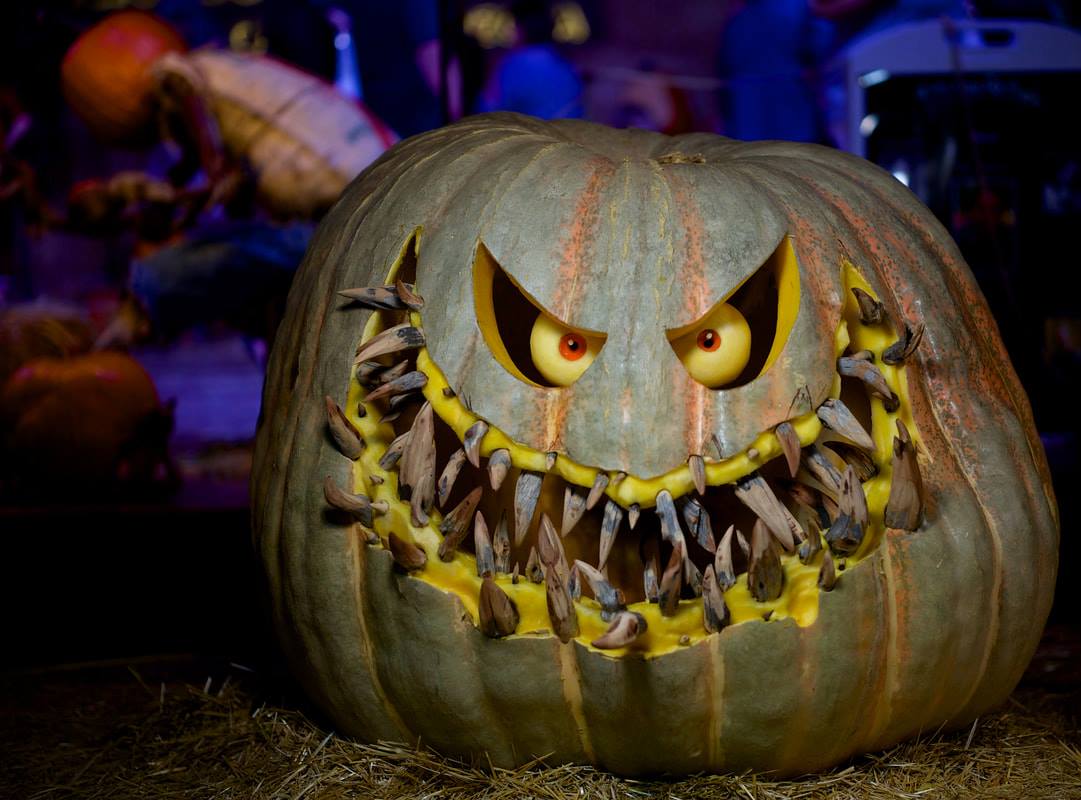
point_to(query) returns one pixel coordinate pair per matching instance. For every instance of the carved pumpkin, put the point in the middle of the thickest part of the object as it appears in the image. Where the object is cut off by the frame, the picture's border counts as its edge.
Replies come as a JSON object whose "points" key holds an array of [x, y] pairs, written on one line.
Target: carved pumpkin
{"points": [[107, 74], [660, 454]]}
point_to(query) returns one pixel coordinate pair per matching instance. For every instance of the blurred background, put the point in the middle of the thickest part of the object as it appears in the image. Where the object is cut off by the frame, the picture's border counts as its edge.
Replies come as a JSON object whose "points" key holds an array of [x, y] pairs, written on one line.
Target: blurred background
{"points": [[162, 165]]}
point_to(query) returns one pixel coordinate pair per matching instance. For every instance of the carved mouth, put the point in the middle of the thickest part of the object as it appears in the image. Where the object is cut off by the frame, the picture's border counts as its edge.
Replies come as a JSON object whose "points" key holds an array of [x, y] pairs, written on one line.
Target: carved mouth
{"points": [[533, 543]]}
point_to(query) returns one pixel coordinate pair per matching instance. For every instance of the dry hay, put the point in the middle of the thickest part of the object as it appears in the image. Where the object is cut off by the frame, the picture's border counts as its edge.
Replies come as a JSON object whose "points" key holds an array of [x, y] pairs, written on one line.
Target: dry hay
{"points": [[92, 737]]}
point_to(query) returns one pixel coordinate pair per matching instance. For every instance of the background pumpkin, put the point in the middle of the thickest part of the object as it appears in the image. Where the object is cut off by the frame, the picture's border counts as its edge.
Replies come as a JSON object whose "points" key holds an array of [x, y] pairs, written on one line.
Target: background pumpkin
{"points": [[932, 628]]}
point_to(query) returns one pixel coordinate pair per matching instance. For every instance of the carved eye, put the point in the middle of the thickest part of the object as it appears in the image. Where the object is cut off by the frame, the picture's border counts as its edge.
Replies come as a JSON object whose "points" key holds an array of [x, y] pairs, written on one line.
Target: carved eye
{"points": [[560, 353], [716, 348]]}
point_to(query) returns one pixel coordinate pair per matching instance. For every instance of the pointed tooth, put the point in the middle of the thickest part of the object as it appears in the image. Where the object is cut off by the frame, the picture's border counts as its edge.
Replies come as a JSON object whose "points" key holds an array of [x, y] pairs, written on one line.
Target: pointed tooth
{"points": [[698, 524], [626, 627], [392, 340], [632, 515], [514, 574], [803, 494], [822, 469], [836, 416], [574, 583], [471, 442], [671, 582], [394, 451], [811, 545], [449, 476], [692, 576], [398, 402], [498, 613], [345, 435], [406, 554], [359, 506], [455, 524], [618, 478], [755, 493], [901, 350], [608, 597], [613, 517], [765, 578], [724, 567], [533, 568], [377, 298], [752, 453], [416, 482], [596, 492], [697, 466], [904, 509], [827, 573], [872, 378], [716, 442], [852, 500], [715, 614], [501, 545], [368, 372], [574, 506], [482, 547], [666, 510], [550, 547], [389, 417], [498, 465], [408, 295], [392, 373], [561, 610], [409, 382], [526, 492], [651, 570], [871, 310], [859, 458], [550, 459], [790, 445], [844, 535], [743, 544]]}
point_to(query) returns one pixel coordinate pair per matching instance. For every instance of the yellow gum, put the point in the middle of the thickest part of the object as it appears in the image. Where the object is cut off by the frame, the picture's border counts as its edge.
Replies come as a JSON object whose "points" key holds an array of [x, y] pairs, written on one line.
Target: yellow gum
{"points": [[799, 601]]}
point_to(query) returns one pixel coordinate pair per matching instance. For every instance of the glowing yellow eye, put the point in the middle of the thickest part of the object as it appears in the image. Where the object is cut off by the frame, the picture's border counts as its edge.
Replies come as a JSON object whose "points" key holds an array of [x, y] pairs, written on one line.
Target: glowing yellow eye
{"points": [[716, 349], [560, 354]]}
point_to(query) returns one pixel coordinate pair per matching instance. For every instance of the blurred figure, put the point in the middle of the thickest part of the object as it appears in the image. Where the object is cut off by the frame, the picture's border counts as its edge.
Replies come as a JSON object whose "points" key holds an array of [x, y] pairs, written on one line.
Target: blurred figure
{"points": [[533, 78], [651, 101]]}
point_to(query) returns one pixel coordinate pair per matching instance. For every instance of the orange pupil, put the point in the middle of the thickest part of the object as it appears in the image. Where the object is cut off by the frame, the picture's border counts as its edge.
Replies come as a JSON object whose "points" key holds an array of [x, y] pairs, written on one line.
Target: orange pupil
{"points": [[572, 346], [709, 340]]}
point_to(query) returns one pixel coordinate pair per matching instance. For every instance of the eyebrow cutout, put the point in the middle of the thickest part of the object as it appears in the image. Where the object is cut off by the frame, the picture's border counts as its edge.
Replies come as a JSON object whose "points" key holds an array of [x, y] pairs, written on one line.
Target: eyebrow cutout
{"points": [[769, 300]]}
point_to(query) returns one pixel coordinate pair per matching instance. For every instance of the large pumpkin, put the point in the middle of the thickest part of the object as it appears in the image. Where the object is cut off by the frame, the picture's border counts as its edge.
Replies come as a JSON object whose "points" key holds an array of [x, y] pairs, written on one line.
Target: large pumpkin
{"points": [[614, 345]]}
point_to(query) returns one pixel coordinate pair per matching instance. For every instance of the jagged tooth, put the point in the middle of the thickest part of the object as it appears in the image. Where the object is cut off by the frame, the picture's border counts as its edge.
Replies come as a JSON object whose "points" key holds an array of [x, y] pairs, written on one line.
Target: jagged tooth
{"points": [[666, 510], [822, 469], [697, 466], [498, 466], [755, 493], [803, 494], [574, 583], [765, 578], [852, 500], [526, 492], [836, 416], [498, 613], [550, 459], [698, 524], [449, 476], [827, 573], [692, 576], [550, 547], [394, 451], [859, 458], [596, 492], [409, 382], [455, 525], [345, 435], [871, 310], [561, 610], [406, 554], [844, 535], [398, 402], [613, 517], [672, 581], [377, 298], [618, 478], [632, 515], [392, 340], [608, 597], [389, 417], [368, 372], [650, 554], [715, 614], [724, 567], [626, 627], [408, 295], [574, 506], [514, 574], [417, 474], [380, 507], [392, 373], [533, 569], [473, 437], [357, 505], [482, 547], [790, 445], [811, 545], [904, 509], [501, 544], [872, 378], [744, 545], [901, 350]]}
